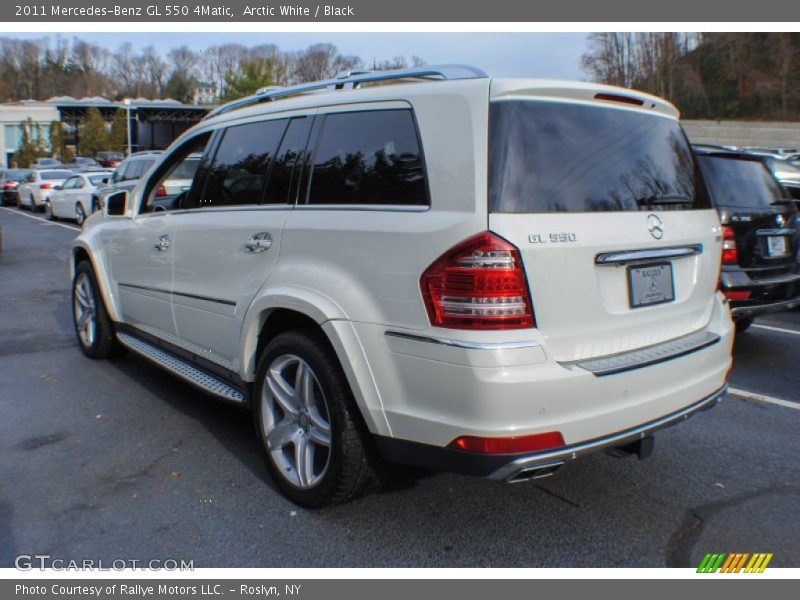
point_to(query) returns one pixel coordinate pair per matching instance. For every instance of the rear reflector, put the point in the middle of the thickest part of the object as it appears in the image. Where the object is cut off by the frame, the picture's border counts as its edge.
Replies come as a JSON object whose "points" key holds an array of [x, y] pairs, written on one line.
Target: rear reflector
{"points": [[619, 98], [478, 284], [736, 294], [508, 445]]}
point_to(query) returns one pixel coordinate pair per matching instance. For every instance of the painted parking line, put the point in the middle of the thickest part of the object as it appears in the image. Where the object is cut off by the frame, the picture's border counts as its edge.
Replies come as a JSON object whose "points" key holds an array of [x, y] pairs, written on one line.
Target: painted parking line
{"points": [[42, 219], [762, 398], [773, 328]]}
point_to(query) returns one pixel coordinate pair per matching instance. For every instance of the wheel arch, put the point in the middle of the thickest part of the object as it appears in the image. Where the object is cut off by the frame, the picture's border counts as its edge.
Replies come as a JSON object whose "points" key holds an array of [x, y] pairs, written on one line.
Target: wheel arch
{"points": [[81, 251], [268, 321]]}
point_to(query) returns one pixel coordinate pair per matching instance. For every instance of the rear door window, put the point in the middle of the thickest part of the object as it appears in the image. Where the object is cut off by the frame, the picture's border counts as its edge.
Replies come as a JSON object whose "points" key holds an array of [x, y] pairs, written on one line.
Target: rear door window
{"points": [[369, 158], [238, 171], [549, 157]]}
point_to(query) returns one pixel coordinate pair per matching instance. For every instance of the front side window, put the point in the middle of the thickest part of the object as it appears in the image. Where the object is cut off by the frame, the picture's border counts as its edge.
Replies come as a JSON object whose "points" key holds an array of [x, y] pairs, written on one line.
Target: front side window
{"points": [[70, 183], [236, 175], [547, 157], [286, 160], [369, 157]]}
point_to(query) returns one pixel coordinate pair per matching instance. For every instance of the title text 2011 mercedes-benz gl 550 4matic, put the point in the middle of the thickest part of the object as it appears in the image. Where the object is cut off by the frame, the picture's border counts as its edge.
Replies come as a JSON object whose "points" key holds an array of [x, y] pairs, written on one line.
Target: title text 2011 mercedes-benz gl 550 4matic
{"points": [[428, 267]]}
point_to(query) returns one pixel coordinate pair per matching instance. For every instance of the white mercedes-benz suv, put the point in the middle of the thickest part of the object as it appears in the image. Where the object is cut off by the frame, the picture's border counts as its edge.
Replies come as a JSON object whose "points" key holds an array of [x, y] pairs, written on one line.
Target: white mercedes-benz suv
{"points": [[427, 267]]}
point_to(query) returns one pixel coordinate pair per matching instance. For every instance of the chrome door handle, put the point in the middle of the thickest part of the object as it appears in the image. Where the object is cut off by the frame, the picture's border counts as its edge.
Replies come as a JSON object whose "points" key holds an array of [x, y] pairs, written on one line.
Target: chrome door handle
{"points": [[260, 242], [163, 243]]}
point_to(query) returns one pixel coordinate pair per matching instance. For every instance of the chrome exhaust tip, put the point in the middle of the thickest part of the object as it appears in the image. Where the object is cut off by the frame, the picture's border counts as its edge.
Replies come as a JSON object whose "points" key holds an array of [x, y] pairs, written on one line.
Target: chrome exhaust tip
{"points": [[535, 472]]}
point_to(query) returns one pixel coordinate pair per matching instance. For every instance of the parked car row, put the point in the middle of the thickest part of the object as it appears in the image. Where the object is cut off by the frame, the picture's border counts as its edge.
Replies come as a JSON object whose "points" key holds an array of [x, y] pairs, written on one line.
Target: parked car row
{"points": [[76, 190]]}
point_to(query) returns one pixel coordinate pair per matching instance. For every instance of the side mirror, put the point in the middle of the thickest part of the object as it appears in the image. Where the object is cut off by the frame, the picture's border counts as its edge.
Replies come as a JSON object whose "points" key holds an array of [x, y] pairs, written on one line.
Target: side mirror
{"points": [[57, 187], [115, 204]]}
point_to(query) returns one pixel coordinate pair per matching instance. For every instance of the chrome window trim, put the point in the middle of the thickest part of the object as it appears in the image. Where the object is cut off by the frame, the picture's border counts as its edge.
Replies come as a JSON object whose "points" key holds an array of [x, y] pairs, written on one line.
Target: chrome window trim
{"points": [[629, 256], [366, 207], [463, 344]]}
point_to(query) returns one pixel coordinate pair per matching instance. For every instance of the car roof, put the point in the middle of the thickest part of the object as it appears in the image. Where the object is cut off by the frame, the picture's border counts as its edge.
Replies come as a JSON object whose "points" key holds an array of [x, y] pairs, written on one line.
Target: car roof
{"points": [[723, 152], [408, 84]]}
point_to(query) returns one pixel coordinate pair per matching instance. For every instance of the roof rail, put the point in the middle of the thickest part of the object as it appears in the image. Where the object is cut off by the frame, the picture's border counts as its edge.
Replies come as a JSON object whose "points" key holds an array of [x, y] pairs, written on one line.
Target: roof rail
{"points": [[354, 79]]}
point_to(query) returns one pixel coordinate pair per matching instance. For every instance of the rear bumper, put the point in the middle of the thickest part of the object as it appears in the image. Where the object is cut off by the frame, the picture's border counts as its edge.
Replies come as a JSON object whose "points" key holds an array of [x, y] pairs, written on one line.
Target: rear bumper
{"points": [[754, 310], [766, 295], [505, 467], [430, 392]]}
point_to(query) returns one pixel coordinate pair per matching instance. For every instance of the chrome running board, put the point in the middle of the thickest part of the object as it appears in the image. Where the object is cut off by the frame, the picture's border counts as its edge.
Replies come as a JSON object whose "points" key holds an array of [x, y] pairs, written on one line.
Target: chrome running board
{"points": [[179, 367]]}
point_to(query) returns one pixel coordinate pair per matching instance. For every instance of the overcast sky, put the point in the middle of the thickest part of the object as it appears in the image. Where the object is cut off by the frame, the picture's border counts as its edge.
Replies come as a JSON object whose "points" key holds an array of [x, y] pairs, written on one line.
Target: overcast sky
{"points": [[499, 54]]}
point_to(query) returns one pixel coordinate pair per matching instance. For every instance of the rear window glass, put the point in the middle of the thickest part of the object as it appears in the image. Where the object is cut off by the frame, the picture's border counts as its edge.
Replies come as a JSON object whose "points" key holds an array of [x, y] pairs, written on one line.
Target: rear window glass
{"points": [[186, 169], [740, 183], [560, 157], [98, 179], [16, 175], [53, 175], [370, 157]]}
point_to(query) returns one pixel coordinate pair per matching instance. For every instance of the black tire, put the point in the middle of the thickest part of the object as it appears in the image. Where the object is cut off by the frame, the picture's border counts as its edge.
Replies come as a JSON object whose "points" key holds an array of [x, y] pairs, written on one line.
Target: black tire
{"points": [[743, 325], [104, 344], [353, 464]]}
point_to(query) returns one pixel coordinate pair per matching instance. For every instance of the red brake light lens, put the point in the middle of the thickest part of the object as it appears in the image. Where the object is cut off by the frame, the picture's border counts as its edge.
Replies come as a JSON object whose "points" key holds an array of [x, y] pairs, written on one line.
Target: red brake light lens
{"points": [[729, 254], [478, 284], [46, 186], [161, 191], [508, 445]]}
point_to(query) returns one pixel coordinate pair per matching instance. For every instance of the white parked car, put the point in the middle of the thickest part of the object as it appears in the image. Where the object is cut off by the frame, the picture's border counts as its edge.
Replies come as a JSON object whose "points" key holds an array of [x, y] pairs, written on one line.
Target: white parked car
{"points": [[429, 267], [78, 197], [33, 194]]}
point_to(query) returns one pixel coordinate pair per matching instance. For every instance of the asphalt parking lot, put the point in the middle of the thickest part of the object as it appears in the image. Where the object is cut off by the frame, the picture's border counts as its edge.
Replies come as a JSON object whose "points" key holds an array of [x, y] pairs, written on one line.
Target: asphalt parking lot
{"points": [[115, 459]]}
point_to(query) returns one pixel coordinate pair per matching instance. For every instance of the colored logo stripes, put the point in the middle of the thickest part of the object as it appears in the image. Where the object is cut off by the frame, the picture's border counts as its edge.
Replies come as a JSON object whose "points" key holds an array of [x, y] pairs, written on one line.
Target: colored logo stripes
{"points": [[734, 563]]}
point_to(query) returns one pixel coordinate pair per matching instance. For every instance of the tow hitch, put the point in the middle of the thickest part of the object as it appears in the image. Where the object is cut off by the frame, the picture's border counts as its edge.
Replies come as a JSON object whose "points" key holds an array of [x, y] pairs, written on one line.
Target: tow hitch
{"points": [[641, 448]]}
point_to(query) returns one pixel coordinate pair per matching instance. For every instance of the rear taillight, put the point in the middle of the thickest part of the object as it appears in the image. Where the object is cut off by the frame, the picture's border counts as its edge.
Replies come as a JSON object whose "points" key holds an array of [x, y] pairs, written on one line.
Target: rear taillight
{"points": [[161, 191], [729, 254], [8, 185], [46, 186], [508, 445], [478, 284]]}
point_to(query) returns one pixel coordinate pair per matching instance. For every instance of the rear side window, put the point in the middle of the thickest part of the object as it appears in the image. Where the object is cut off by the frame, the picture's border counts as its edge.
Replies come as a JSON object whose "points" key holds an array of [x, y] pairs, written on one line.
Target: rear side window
{"points": [[740, 183], [370, 157], [237, 173], [560, 157]]}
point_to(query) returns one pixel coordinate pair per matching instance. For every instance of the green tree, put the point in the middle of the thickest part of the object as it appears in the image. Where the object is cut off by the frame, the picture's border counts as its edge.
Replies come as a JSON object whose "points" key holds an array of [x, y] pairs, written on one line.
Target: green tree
{"points": [[58, 143], [254, 74], [93, 136], [180, 88], [118, 139], [28, 150]]}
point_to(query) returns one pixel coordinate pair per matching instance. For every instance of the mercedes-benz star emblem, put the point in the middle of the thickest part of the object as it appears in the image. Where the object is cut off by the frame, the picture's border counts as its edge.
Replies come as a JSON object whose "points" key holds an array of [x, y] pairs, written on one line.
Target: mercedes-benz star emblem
{"points": [[655, 226]]}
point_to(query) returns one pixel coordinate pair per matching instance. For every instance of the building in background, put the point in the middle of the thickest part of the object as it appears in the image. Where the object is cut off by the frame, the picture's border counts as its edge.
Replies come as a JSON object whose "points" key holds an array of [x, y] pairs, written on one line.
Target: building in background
{"points": [[154, 124], [12, 115], [205, 94]]}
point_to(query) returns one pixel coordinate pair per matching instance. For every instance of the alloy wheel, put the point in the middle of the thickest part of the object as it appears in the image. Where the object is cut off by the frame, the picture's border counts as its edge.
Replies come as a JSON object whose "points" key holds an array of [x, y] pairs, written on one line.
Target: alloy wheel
{"points": [[85, 310], [295, 421]]}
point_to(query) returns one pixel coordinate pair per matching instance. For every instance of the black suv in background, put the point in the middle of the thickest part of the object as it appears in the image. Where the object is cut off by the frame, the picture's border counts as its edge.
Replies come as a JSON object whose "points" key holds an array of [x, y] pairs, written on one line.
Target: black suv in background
{"points": [[760, 269]]}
